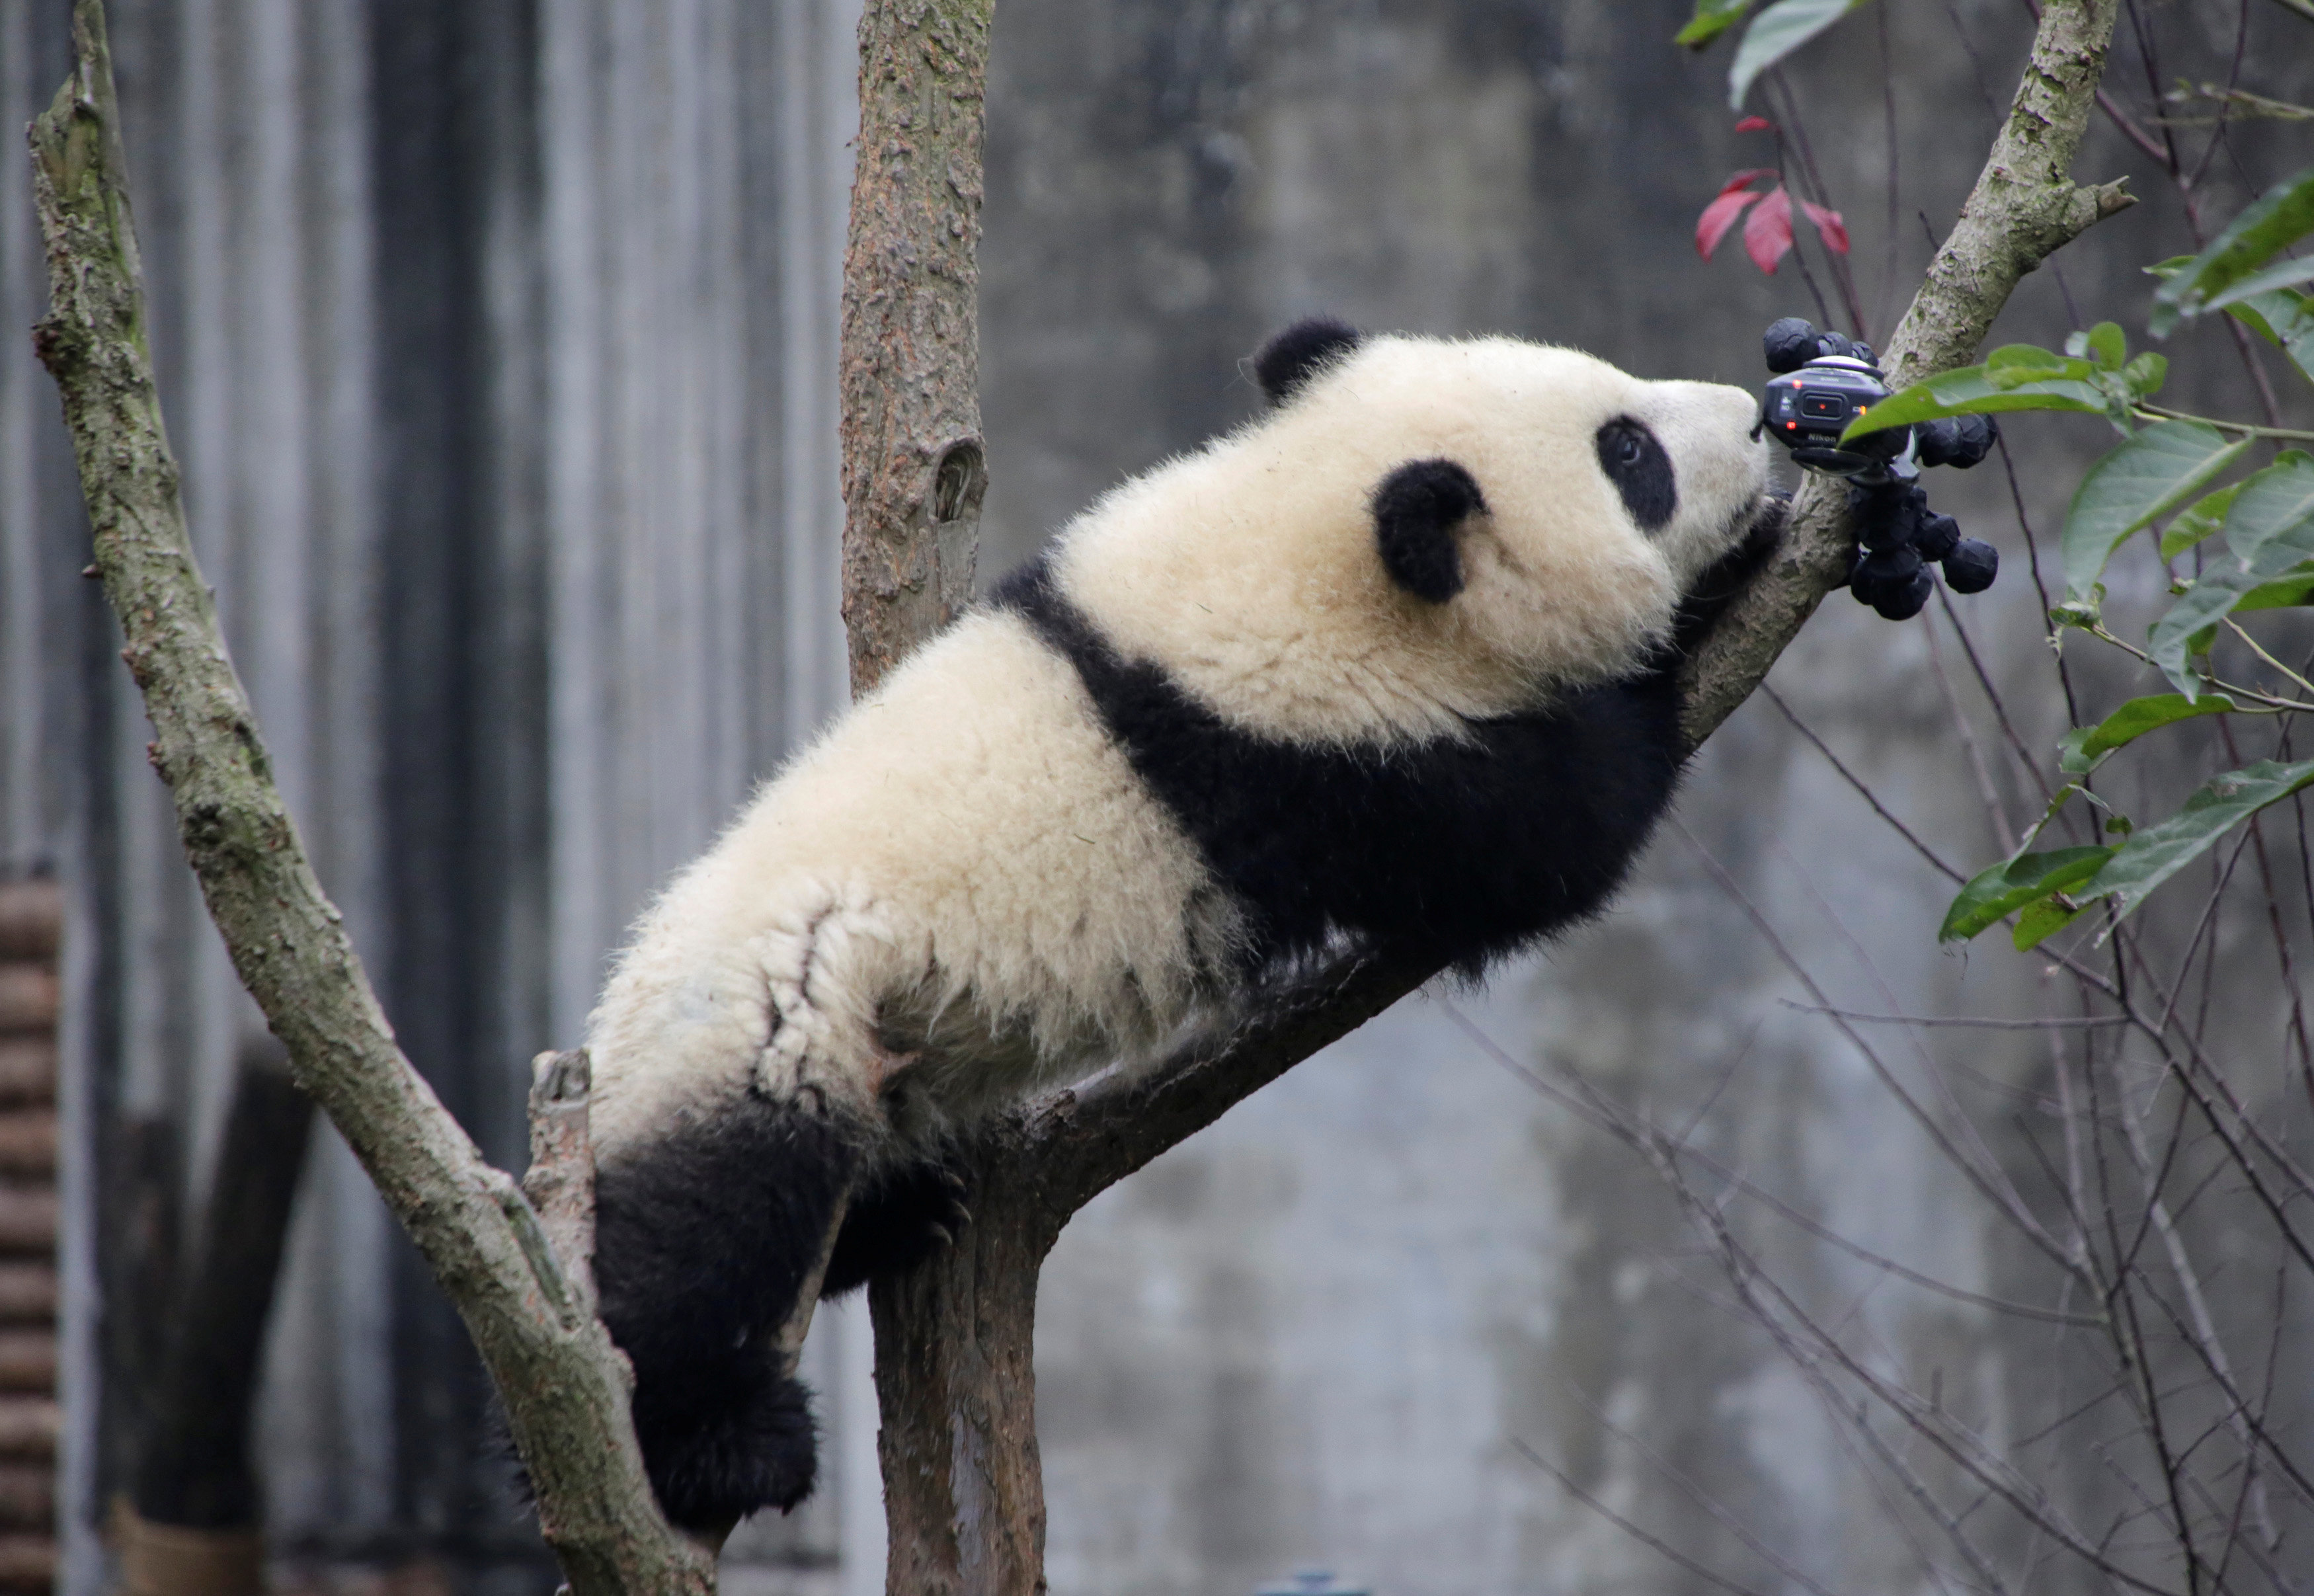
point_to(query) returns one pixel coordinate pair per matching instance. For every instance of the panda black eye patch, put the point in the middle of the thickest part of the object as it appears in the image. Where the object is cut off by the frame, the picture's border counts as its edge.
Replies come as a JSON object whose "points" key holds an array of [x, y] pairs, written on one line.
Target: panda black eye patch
{"points": [[1635, 462], [1416, 511]]}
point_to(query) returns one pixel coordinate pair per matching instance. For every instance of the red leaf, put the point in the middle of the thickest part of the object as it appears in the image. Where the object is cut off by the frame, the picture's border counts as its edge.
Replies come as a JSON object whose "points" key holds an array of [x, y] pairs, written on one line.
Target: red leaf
{"points": [[1768, 231], [1717, 217], [1755, 125], [1720, 214], [1829, 226]]}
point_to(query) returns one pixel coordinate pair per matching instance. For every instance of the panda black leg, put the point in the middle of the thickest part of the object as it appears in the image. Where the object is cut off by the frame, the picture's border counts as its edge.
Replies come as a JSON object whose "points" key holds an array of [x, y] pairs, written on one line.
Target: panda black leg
{"points": [[703, 1241], [899, 1218]]}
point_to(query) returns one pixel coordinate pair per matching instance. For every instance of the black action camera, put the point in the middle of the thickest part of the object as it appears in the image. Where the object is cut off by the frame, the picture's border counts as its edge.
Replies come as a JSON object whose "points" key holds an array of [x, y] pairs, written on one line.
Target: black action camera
{"points": [[1824, 380]]}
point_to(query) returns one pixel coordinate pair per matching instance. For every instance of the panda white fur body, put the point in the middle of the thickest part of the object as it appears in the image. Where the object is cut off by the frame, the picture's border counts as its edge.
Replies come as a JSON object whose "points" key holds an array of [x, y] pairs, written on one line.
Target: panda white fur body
{"points": [[1399, 606]]}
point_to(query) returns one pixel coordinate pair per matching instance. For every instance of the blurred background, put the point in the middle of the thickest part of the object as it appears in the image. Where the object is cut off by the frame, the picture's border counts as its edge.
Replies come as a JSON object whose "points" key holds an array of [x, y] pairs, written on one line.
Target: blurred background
{"points": [[498, 343]]}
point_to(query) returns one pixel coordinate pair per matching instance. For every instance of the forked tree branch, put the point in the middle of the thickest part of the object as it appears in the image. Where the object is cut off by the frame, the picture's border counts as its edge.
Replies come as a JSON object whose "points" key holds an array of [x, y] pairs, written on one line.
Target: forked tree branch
{"points": [[566, 1387], [2025, 207], [959, 1443]]}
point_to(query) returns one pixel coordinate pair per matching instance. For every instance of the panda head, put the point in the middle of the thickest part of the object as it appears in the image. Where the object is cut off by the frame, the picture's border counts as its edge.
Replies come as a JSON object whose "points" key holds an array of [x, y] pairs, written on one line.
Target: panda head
{"points": [[1420, 530]]}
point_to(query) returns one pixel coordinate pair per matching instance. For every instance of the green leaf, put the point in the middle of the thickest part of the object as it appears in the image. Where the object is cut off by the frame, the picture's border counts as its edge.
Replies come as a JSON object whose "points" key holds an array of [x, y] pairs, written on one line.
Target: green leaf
{"points": [[2270, 525], [1775, 33], [2042, 920], [2283, 274], [2159, 852], [1998, 891], [2187, 629], [1969, 391], [2285, 592], [1711, 19], [2282, 216], [2197, 521], [2151, 474], [2283, 317], [2012, 364], [2145, 375], [2104, 343], [2269, 529], [2082, 749]]}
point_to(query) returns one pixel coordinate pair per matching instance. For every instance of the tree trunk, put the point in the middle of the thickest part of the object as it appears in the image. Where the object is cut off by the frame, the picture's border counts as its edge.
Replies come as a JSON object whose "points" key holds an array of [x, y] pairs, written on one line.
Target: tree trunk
{"points": [[914, 467], [954, 1338], [964, 1490]]}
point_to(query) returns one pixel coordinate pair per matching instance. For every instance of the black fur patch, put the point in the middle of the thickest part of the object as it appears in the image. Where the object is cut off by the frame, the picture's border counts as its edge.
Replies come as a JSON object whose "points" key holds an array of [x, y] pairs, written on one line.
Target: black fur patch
{"points": [[1291, 357], [901, 1218], [701, 1241], [1634, 460], [1719, 586], [1416, 511], [1456, 852]]}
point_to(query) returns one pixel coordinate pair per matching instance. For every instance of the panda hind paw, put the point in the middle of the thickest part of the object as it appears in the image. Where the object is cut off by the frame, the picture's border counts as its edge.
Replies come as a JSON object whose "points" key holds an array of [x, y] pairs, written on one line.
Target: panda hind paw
{"points": [[899, 1221], [755, 1451]]}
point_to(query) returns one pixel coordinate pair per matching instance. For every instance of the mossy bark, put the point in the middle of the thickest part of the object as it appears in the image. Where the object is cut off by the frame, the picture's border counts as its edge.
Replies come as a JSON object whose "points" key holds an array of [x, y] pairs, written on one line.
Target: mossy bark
{"points": [[566, 1387], [953, 1339]]}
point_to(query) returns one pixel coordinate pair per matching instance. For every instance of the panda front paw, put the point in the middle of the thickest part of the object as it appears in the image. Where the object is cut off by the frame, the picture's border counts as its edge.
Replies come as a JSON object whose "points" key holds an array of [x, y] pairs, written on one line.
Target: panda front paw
{"points": [[1719, 586]]}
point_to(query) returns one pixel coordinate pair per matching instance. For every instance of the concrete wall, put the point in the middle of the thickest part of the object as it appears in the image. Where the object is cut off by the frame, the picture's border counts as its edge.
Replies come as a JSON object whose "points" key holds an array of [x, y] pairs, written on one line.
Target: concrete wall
{"points": [[497, 343], [1321, 1332]]}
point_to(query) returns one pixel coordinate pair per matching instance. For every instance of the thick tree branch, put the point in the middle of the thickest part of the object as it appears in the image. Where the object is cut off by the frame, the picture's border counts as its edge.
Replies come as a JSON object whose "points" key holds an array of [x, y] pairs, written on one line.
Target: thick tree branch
{"points": [[913, 462], [566, 1387], [959, 1443], [2025, 207]]}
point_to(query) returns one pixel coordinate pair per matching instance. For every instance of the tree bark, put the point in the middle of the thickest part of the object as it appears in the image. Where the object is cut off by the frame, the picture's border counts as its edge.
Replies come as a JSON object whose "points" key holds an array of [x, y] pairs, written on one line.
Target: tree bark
{"points": [[913, 465], [566, 1387], [963, 1490], [954, 1338]]}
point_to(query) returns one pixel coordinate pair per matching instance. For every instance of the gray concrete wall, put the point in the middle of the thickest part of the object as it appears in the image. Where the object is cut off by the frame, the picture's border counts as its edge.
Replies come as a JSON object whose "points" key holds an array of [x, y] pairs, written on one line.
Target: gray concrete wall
{"points": [[497, 341], [498, 344], [1320, 1332]]}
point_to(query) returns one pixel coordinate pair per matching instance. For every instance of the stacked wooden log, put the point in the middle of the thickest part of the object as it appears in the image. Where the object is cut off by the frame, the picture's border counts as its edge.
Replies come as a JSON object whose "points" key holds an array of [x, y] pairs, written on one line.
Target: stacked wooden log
{"points": [[31, 926]]}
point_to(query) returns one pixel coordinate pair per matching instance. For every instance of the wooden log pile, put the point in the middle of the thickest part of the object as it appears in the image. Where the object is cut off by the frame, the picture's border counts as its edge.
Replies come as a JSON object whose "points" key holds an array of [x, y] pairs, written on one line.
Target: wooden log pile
{"points": [[31, 928]]}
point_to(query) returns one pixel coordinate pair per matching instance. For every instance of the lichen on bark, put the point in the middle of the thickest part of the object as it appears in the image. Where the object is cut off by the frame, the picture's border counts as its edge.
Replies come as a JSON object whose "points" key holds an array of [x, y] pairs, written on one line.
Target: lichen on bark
{"points": [[566, 1387]]}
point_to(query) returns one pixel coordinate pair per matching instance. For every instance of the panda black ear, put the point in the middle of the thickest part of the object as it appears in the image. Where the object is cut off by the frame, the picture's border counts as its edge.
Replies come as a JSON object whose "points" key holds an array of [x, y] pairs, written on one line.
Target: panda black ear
{"points": [[1289, 359], [1417, 510]]}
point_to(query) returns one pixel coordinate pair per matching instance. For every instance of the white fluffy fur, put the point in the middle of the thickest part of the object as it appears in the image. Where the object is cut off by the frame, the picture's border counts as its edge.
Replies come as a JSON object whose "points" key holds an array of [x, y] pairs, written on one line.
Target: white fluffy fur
{"points": [[967, 868], [1248, 570]]}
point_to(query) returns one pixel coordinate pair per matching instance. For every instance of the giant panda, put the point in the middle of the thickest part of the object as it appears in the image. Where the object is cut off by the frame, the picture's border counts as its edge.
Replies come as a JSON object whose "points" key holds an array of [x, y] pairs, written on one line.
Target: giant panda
{"points": [[1391, 666]]}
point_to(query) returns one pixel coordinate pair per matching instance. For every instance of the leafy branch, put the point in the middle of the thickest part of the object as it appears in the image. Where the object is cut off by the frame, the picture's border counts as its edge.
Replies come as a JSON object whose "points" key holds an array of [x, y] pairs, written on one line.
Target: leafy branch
{"points": [[2166, 479]]}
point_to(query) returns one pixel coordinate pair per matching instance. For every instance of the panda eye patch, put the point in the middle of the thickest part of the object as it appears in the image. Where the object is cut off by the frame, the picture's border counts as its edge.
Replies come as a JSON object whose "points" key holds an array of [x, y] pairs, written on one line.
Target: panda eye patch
{"points": [[1636, 462]]}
